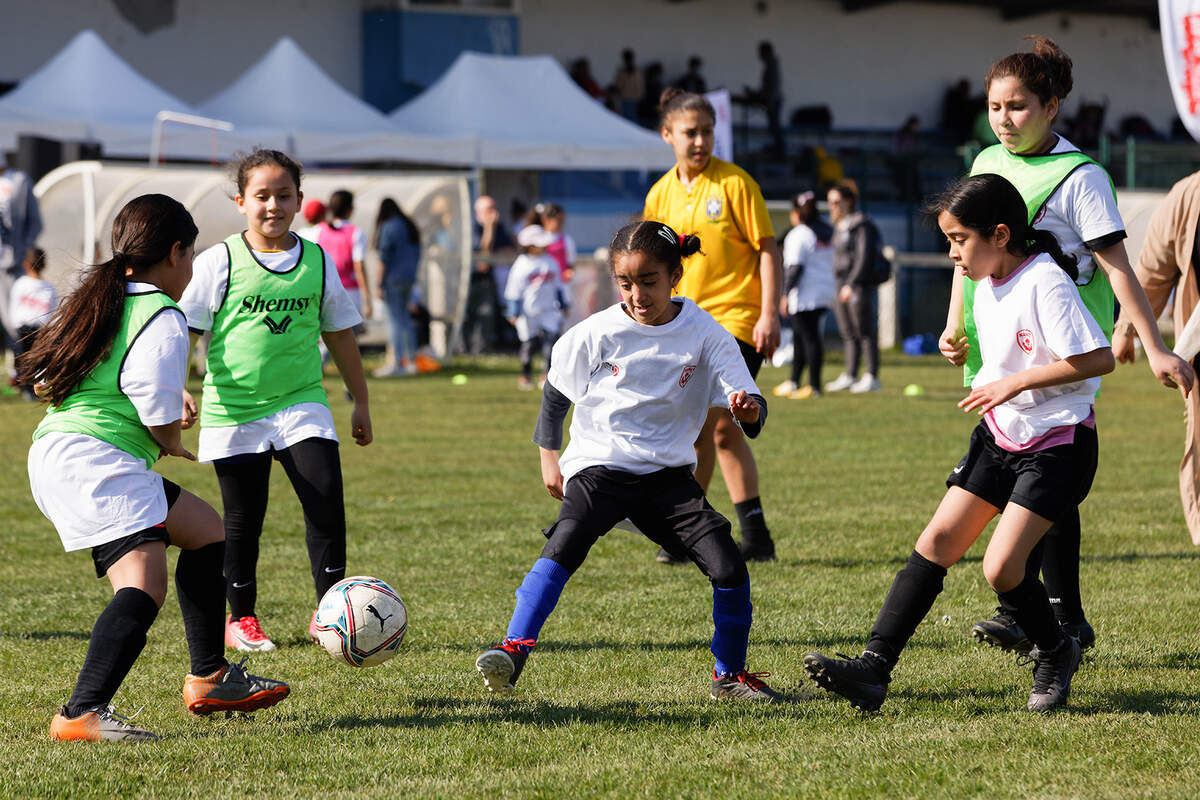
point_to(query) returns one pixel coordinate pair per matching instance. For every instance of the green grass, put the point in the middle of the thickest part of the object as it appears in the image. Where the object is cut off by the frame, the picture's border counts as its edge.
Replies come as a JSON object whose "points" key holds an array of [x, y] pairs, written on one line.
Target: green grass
{"points": [[447, 506]]}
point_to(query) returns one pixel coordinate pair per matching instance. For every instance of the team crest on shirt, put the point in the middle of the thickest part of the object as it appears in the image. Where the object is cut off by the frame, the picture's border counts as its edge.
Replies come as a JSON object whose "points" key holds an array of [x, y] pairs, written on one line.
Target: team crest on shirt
{"points": [[609, 367], [1025, 340], [686, 375], [1039, 216], [714, 207]]}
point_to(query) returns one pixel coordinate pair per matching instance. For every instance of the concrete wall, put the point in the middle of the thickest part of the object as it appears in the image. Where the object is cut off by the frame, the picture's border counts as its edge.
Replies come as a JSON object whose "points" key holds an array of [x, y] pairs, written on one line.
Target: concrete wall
{"points": [[210, 44], [872, 67]]}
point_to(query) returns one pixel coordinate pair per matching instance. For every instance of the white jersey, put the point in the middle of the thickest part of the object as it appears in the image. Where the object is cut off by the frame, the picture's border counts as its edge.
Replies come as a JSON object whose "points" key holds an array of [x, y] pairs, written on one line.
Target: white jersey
{"points": [[816, 287], [536, 283], [1082, 209], [31, 302], [200, 301], [1032, 318], [93, 491], [642, 392]]}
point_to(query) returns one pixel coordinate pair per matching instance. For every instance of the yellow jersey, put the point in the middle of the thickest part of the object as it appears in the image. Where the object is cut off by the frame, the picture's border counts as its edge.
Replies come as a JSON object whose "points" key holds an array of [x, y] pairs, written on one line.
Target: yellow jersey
{"points": [[725, 208]]}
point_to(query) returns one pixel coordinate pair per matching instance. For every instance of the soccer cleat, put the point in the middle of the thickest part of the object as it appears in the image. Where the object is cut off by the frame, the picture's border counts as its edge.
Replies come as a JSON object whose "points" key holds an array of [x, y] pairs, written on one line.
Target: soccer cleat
{"points": [[1052, 672], [1002, 631], [100, 724], [784, 389], [247, 635], [863, 680], [762, 549], [312, 628], [1081, 632], [840, 384], [867, 383], [744, 686], [501, 665], [231, 688], [805, 393], [665, 556]]}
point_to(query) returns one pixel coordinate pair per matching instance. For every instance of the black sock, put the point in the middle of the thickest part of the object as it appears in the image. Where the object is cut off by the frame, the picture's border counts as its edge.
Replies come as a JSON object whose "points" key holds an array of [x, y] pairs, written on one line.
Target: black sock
{"points": [[201, 590], [1031, 610], [908, 601], [1033, 568], [752, 521], [1060, 568], [117, 639]]}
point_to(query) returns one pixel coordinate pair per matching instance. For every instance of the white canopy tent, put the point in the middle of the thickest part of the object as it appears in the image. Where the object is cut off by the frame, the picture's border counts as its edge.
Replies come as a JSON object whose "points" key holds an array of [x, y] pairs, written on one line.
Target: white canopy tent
{"points": [[297, 107], [86, 92], [525, 112]]}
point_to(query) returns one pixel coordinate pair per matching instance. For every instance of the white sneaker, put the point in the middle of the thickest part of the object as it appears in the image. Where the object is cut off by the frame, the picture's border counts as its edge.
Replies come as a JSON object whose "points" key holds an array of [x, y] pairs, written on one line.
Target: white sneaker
{"points": [[867, 383], [840, 384], [784, 389]]}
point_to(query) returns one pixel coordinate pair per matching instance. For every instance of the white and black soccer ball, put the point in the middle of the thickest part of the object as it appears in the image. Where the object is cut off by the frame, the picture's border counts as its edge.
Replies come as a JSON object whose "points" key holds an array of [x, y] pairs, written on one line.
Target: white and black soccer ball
{"points": [[361, 621]]}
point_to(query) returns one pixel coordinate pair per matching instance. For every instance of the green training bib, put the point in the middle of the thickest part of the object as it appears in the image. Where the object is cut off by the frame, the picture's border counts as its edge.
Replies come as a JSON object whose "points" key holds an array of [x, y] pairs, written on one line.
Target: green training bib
{"points": [[263, 357]]}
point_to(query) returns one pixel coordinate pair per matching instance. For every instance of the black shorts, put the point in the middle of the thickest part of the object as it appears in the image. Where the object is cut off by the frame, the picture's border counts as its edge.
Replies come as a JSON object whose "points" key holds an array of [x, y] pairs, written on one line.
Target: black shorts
{"points": [[668, 506], [1048, 482], [753, 358], [109, 553]]}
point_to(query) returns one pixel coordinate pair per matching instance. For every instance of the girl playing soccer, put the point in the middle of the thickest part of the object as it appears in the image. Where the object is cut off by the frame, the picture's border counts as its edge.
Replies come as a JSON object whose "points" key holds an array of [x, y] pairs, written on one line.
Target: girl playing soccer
{"points": [[1031, 459], [112, 363], [737, 281], [268, 296], [642, 374], [1071, 196]]}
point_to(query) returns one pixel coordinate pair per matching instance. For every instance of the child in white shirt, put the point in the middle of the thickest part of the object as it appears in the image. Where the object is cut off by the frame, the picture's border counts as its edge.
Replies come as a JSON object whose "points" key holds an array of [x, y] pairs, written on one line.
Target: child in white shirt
{"points": [[535, 301]]}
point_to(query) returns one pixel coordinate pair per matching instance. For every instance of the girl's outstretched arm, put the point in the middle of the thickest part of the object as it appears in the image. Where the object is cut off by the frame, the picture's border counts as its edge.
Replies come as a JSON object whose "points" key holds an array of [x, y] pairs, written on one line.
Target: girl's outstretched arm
{"points": [[344, 349], [168, 438], [1070, 369], [1170, 369]]}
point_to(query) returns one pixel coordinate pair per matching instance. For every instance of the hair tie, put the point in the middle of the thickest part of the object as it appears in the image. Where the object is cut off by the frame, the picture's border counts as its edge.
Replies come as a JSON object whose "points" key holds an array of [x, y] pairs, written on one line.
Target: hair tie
{"points": [[681, 238]]}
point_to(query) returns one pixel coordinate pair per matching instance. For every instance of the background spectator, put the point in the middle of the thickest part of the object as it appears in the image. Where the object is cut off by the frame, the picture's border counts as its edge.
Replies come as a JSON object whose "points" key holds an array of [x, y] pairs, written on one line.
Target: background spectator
{"points": [[692, 80], [399, 245], [20, 224], [630, 86]]}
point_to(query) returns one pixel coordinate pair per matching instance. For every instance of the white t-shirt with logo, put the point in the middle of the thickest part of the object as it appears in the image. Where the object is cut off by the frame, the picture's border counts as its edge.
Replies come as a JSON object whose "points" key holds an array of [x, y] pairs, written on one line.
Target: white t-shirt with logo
{"points": [[816, 287], [200, 302], [642, 392], [1032, 318], [536, 282], [1082, 209], [31, 302]]}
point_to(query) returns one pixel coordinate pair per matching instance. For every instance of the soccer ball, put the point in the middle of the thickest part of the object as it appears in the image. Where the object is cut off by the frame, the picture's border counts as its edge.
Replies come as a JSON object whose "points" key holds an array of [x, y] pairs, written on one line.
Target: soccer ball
{"points": [[362, 621]]}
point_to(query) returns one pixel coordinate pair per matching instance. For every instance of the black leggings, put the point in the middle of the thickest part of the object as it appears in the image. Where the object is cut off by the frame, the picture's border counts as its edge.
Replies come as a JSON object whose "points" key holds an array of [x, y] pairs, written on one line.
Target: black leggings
{"points": [[315, 471], [807, 347], [544, 342]]}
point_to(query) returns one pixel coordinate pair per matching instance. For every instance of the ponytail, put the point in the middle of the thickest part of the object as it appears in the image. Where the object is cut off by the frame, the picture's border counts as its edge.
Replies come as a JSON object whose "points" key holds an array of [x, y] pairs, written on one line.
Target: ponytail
{"points": [[1040, 241], [1046, 71], [82, 330], [658, 242]]}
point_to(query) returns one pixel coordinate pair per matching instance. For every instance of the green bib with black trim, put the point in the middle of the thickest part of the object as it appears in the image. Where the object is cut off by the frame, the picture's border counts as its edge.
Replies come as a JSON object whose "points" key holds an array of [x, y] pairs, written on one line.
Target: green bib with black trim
{"points": [[97, 407], [263, 357], [1036, 178]]}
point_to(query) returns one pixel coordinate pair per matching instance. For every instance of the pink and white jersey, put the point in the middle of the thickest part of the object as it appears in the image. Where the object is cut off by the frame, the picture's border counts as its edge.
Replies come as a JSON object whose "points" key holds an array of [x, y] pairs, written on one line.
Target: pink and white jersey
{"points": [[1032, 318], [344, 244], [642, 392]]}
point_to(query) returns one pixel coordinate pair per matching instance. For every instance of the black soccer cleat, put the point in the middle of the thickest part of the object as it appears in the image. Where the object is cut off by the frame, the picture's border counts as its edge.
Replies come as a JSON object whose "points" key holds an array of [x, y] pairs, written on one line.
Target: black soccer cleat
{"points": [[1081, 632], [1001, 631], [863, 680], [1052, 672], [501, 665], [761, 549]]}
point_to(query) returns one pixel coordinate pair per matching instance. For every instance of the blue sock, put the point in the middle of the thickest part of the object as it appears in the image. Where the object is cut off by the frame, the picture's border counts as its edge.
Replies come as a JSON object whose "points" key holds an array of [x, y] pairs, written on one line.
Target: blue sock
{"points": [[732, 613], [536, 597]]}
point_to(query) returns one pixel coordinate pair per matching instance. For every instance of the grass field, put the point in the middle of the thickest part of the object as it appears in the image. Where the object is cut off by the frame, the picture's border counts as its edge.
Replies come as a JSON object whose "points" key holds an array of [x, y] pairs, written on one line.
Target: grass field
{"points": [[447, 506]]}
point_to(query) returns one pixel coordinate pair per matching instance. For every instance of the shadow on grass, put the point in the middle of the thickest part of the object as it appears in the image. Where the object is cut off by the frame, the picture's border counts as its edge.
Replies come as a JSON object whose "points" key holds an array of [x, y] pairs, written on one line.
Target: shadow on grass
{"points": [[42, 636], [1157, 703], [1129, 558], [1180, 660], [438, 712]]}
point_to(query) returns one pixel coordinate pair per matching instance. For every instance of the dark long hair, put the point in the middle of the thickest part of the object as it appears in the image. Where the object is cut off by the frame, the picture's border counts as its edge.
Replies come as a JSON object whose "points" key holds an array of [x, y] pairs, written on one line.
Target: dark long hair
{"points": [[984, 201], [81, 332], [805, 206], [1046, 71], [658, 242], [390, 209]]}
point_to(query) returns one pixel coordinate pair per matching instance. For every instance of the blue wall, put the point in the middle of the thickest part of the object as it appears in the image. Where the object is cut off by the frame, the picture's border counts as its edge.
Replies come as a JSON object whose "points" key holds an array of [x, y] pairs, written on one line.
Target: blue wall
{"points": [[406, 51]]}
